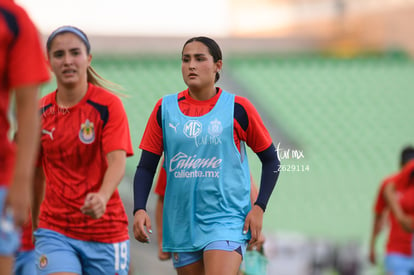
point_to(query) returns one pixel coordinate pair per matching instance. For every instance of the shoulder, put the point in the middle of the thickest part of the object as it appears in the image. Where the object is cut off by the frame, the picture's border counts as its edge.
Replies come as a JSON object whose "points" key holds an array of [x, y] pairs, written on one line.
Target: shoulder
{"points": [[244, 102], [104, 97], [15, 17], [47, 99]]}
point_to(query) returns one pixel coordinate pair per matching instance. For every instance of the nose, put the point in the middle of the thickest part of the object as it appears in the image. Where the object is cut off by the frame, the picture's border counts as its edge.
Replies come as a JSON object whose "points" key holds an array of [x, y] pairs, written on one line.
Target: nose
{"points": [[67, 59], [191, 65]]}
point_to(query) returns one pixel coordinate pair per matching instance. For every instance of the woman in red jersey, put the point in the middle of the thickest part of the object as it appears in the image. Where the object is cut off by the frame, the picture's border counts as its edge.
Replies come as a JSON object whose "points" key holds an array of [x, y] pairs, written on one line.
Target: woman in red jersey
{"points": [[22, 70], [398, 259], [82, 227], [207, 217]]}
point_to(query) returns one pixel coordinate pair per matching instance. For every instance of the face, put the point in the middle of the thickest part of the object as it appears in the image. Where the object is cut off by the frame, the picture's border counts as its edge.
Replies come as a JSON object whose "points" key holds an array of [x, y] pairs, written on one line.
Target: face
{"points": [[69, 60], [198, 66]]}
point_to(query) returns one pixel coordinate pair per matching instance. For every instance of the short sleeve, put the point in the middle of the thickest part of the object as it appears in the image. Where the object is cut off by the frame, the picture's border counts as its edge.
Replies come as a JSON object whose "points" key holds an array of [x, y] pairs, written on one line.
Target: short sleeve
{"points": [[116, 134], [27, 61]]}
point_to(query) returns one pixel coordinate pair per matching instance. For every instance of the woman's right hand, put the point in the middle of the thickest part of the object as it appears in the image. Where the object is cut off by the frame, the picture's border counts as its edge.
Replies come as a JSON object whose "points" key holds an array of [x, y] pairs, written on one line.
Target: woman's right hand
{"points": [[142, 221]]}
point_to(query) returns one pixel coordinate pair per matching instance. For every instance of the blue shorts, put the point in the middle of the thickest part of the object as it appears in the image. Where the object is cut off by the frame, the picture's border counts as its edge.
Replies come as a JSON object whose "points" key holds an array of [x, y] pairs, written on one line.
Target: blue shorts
{"points": [[25, 263], [399, 264], [57, 253], [9, 234], [181, 259]]}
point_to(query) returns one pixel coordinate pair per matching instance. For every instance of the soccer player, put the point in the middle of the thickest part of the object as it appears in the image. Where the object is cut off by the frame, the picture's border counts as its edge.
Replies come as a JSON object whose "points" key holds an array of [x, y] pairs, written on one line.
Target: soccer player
{"points": [[82, 227], [23, 69], [398, 259], [208, 218]]}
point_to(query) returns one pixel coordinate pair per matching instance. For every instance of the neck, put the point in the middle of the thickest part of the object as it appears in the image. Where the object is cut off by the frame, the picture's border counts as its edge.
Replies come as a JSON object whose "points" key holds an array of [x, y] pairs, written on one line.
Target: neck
{"points": [[70, 96], [201, 94]]}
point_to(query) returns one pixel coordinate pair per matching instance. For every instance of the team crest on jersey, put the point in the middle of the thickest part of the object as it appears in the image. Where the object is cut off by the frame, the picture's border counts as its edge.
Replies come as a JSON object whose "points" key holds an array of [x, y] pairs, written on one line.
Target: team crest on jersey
{"points": [[192, 128], [43, 261], [87, 132], [215, 128]]}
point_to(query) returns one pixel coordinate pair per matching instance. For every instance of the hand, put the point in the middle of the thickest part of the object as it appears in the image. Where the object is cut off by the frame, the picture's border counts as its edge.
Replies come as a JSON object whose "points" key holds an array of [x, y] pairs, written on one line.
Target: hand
{"points": [[94, 205], [254, 221], [18, 202], [142, 220], [163, 256], [372, 257], [259, 244]]}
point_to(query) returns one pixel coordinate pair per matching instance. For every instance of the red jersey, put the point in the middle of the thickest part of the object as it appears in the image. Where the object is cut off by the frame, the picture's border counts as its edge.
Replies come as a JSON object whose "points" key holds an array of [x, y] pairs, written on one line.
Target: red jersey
{"points": [[26, 238], [22, 62], [399, 241], [252, 131], [74, 145]]}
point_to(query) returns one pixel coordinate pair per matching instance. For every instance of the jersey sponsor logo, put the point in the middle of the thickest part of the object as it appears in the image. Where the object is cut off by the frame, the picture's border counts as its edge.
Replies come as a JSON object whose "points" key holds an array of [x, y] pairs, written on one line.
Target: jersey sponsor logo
{"points": [[192, 128], [50, 133], [87, 132], [185, 166], [43, 261], [215, 128]]}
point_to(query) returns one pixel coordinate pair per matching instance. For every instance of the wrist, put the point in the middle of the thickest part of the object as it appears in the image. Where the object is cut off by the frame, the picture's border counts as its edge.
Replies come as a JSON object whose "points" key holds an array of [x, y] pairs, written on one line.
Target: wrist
{"points": [[261, 205]]}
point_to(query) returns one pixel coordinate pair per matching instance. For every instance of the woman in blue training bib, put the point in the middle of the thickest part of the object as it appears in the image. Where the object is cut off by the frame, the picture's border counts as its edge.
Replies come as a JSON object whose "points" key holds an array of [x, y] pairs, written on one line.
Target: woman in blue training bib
{"points": [[208, 219]]}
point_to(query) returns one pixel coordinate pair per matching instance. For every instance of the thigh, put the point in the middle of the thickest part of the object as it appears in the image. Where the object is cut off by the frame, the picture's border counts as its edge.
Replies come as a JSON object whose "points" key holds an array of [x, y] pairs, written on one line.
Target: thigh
{"points": [[55, 253], [221, 262], [9, 234], [105, 258], [223, 257], [25, 263]]}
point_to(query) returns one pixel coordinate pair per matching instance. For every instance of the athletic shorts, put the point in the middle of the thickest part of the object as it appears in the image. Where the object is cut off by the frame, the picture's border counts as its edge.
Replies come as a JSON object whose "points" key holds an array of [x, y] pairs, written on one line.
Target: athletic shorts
{"points": [[9, 234], [25, 263], [181, 259], [56, 252], [399, 264]]}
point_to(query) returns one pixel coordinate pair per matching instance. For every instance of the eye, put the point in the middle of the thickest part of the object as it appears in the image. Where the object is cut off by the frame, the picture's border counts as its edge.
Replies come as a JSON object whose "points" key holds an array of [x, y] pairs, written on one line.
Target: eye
{"points": [[185, 59], [75, 53], [58, 54]]}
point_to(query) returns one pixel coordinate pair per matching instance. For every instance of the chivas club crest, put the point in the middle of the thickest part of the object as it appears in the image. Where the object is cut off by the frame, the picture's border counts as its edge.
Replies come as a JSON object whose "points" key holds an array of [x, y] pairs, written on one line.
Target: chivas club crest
{"points": [[215, 128], [42, 261], [87, 132]]}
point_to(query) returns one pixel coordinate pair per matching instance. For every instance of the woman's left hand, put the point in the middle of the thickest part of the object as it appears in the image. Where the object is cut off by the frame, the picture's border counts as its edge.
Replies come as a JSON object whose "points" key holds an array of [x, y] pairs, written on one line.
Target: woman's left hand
{"points": [[94, 206], [254, 221]]}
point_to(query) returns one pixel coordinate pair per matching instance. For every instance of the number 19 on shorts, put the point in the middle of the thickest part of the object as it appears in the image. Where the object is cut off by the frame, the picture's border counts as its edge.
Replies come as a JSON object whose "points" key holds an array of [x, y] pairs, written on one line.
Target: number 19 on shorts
{"points": [[121, 255]]}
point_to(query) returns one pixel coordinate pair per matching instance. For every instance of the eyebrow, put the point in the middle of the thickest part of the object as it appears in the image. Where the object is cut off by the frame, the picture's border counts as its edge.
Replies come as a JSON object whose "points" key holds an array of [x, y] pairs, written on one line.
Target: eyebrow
{"points": [[71, 50], [196, 55]]}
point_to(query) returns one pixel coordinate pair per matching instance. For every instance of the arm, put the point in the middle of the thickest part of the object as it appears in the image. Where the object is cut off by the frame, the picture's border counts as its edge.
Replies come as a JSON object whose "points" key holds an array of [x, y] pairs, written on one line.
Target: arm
{"points": [[158, 220], [95, 203], [28, 121], [144, 176], [253, 197], [377, 226], [38, 195], [270, 173], [392, 201]]}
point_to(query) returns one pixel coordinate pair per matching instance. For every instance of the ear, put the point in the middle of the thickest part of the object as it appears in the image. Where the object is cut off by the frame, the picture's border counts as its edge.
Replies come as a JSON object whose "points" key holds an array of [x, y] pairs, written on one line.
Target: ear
{"points": [[219, 65], [89, 59]]}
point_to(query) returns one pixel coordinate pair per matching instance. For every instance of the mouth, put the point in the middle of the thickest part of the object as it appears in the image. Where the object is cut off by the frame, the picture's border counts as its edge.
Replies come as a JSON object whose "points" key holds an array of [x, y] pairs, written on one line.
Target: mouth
{"points": [[192, 75], [68, 72]]}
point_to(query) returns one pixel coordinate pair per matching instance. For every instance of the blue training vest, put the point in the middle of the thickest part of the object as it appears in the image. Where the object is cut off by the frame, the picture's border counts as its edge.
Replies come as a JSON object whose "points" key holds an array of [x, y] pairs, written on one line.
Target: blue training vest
{"points": [[207, 196]]}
